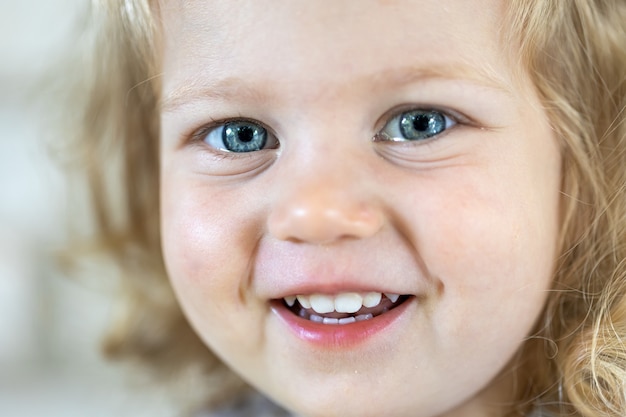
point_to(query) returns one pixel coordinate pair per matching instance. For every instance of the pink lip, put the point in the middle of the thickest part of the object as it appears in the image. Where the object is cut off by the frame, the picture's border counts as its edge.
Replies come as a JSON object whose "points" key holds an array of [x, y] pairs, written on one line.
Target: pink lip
{"points": [[338, 336]]}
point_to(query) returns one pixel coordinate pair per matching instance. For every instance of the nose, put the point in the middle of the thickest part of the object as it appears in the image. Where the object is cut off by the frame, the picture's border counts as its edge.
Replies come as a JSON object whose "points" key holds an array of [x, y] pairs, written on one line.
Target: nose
{"points": [[322, 209]]}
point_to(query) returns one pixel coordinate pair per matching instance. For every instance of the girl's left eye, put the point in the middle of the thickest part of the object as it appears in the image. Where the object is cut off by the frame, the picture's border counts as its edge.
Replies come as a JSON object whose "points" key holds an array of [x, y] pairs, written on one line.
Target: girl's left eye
{"points": [[240, 136], [415, 125]]}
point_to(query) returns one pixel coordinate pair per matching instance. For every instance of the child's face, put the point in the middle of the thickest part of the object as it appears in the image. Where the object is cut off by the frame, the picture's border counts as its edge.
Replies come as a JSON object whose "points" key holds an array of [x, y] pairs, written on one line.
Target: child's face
{"points": [[376, 147]]}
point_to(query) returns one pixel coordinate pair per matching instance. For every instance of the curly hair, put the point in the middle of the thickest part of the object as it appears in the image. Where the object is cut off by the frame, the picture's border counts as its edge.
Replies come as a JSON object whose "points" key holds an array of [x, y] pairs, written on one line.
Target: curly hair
{"points": [[575, 53], [573, 363]]}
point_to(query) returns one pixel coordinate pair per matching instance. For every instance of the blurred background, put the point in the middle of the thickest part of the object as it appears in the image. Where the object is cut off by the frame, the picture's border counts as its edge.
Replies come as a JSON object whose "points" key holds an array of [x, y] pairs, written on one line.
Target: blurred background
{"points": [[50, 325]]}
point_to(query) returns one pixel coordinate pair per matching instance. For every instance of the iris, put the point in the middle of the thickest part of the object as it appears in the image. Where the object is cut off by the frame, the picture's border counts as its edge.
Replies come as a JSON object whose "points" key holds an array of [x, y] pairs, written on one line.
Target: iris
{"points": [[241, 136], [421, 124]]}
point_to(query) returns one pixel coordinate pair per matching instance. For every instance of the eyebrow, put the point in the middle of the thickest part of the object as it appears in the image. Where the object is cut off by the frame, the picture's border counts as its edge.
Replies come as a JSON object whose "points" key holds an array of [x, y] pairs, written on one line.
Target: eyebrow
{"points": [[195, 90], [226, 88]]}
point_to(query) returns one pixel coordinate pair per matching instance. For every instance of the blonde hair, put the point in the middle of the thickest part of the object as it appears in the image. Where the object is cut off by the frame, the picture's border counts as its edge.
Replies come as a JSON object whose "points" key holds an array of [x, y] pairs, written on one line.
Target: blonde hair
{"points": [[575, 53]]}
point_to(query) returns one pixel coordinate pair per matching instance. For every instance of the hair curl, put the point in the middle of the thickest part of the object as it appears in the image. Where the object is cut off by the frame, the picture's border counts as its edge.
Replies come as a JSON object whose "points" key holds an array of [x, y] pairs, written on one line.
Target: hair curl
{"points": [[575, 53]]}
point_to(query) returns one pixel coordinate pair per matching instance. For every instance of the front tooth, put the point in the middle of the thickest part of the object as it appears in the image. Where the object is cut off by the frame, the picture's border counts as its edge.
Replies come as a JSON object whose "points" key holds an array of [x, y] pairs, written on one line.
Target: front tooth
{"points": [[349, 302], [372, 299], [322, 303], [393, 297], [304, 301]]}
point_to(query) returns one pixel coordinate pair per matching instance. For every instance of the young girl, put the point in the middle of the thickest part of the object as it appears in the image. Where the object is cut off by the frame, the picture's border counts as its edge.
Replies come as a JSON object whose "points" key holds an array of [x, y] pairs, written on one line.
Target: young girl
{"points": [[367, 208]]}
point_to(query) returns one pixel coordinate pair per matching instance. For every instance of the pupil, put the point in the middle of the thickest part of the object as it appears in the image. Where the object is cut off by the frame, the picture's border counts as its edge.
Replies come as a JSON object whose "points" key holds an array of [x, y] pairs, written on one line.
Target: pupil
{"points": [[421, 123], [245, 133]]}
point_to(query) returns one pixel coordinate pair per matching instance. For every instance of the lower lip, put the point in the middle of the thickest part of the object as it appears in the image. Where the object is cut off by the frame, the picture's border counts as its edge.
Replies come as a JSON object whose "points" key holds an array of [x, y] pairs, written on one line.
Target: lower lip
{"points": [[339, 335]]}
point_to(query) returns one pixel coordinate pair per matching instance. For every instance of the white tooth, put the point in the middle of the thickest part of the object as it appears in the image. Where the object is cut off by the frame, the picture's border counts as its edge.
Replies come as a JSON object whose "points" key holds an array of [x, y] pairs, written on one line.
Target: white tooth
{"points": [[349, 302], [322, 303], [304, 301], [372, 299], [392, 297], [303, 314], [362, 317], [290, 300], [347, 320], [330, 321], [316, 318]]}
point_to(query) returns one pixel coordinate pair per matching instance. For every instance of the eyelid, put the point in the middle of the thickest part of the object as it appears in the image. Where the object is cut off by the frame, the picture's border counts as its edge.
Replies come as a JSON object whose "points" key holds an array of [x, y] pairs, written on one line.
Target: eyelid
{"points": [[198, 135], [457, 117]]}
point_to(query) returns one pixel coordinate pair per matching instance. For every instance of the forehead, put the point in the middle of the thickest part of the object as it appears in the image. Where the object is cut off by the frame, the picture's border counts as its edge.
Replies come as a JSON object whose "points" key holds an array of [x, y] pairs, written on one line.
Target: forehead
{"points": [[323, 41]]}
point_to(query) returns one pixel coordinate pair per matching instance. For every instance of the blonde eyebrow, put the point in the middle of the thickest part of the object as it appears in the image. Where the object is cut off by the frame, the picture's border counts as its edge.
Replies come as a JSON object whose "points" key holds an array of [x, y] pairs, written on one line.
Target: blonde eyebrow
{"points": [[482, 76], [222, 90], [226, 88]]}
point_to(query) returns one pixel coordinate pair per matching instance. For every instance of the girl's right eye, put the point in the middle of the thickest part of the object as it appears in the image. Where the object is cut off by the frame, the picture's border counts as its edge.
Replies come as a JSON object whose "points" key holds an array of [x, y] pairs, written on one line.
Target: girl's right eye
{"points": [[240, 136]]}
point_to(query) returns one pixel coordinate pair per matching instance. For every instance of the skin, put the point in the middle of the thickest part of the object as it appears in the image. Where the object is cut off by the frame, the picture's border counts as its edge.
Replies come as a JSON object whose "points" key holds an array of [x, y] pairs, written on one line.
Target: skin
{"points": [[465, 221]]}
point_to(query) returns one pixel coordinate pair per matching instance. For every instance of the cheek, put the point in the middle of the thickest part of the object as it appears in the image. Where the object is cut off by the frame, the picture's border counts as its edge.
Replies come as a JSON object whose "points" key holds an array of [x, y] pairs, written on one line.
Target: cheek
{"points": [[477, 230], [208, 239], [490, 245], [208, 242]]}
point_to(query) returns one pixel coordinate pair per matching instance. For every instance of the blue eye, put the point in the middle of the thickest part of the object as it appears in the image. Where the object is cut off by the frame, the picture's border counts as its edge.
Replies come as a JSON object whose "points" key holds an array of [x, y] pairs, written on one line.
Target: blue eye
{"points": [[240, 136], [415, 125]]}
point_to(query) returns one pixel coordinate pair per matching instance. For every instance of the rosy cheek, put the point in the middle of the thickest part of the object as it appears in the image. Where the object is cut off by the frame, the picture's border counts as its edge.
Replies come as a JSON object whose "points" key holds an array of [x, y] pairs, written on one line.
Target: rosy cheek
{"points": [[471, 229], [187, 235], [207, 239]]}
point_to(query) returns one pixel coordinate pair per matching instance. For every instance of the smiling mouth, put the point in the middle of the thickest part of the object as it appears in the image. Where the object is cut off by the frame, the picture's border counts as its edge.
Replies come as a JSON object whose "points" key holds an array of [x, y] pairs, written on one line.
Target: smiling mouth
{"points": [[343, 308]]}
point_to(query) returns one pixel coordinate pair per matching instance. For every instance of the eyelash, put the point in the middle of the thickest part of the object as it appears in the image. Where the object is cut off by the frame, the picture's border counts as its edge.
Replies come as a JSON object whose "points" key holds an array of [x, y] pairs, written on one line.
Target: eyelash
{"points": [[450, 118]]}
